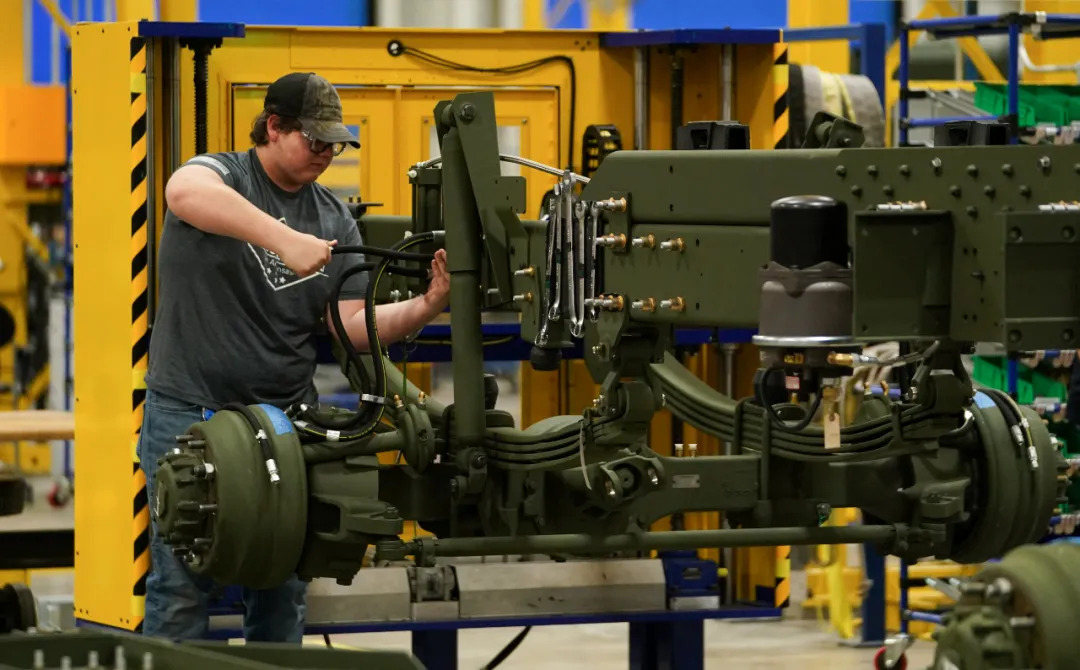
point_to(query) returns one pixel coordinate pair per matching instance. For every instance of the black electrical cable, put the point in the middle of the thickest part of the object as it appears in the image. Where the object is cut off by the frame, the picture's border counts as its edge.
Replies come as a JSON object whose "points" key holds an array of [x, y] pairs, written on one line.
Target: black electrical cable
{"points": [[759, 388], [510, 648], [260, 437], [397, 48], [326, 639]]}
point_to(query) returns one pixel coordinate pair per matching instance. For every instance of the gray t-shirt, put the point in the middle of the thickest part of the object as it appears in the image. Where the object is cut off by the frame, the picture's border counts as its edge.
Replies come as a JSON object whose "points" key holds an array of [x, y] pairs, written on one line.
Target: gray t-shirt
{"points": [[233, 323]]}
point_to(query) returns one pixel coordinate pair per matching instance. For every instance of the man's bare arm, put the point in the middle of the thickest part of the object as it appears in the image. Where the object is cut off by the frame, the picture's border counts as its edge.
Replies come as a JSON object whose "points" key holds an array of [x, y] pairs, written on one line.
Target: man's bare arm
{"points": [[197, 195]]}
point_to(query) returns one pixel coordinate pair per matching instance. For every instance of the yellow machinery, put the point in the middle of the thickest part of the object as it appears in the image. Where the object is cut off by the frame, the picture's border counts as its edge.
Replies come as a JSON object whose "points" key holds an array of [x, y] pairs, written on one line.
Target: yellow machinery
{"points": [[135, 121], [32, 135]]}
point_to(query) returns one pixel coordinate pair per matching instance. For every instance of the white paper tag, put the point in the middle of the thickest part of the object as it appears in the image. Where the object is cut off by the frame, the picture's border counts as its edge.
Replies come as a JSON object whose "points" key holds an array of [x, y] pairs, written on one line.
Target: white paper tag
{"points": [[832, 430]]}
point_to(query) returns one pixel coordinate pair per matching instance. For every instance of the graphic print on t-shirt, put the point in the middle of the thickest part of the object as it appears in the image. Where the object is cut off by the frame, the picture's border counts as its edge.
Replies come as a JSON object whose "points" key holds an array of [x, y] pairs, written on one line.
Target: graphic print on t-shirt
{"points": [[277, 274]]}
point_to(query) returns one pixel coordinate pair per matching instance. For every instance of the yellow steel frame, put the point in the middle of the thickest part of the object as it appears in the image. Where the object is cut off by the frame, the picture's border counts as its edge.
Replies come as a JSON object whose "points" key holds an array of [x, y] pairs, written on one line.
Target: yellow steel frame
{"points": [[108, 80]]}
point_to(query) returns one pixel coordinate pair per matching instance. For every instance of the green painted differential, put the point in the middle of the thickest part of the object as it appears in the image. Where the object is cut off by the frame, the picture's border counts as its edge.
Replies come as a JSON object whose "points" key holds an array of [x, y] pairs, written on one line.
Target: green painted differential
{"points": [[215, 505]]}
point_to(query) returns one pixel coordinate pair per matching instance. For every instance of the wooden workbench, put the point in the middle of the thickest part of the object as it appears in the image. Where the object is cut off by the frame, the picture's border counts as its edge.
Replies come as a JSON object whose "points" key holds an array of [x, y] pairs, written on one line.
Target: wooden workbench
{"points": [[36, 425]]}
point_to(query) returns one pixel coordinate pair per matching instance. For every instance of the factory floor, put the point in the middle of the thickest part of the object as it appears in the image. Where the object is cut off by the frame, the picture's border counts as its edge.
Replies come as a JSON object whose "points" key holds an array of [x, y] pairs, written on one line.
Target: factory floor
{"points": [[745, 645]]}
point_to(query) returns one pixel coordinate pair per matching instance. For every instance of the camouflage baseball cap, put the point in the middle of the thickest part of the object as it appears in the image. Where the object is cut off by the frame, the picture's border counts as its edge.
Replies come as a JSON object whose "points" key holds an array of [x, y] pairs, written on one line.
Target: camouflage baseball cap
{"points": [[314, 102]]}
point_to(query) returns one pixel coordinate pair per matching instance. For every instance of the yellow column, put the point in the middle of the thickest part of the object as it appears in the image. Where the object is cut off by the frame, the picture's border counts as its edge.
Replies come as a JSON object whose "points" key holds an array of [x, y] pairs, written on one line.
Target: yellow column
{"points": [[831, 56], [535, 15], [609, 15], [1051, 52], [179, 10], [136, 10]]}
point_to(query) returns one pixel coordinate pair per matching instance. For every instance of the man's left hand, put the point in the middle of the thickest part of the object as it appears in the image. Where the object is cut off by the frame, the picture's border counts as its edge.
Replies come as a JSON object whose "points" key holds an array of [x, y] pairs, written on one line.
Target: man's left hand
{"points": [[438, 293]]}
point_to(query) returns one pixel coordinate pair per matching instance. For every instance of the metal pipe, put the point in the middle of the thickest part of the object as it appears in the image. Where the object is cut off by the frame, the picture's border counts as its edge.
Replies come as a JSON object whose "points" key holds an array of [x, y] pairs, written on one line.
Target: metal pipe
{"points": [[1014, 82], [661, 540], [509, 158], [151, 176], [902, 75], [641, 97], [677, 80], [463, 239], [727, 80], [174, 152]]}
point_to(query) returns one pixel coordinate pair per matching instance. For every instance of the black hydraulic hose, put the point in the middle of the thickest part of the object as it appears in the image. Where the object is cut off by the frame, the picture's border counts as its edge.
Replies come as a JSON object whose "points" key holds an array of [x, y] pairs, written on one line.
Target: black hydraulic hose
{"points": [[260, 436], [509, 649], [392, 253], [372, 404]]}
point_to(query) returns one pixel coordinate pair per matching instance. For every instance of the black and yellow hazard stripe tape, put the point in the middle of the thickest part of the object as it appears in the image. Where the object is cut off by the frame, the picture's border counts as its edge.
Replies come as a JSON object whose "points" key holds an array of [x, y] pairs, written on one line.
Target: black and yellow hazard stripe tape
{"points": [[782, 589], [781, 117], [140, 335]]}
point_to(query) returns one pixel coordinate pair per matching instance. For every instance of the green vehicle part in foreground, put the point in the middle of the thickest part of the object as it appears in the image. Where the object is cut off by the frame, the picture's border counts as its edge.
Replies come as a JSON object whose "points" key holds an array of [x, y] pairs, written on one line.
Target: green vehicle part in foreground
{"points": [[823, 251]]}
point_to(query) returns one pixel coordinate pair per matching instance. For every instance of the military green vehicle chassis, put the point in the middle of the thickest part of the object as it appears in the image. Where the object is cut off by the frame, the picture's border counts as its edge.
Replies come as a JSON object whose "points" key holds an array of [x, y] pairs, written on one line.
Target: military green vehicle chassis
{"points": [[943, 248]]}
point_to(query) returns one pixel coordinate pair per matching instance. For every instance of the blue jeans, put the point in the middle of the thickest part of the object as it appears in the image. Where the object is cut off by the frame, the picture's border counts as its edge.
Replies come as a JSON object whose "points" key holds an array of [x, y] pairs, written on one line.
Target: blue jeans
{"points": [[177, 599]]}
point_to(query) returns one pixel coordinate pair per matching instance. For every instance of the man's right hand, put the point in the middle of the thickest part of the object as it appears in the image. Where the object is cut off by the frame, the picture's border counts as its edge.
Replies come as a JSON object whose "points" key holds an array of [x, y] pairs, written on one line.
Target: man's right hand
{"points": [[305, 254]]}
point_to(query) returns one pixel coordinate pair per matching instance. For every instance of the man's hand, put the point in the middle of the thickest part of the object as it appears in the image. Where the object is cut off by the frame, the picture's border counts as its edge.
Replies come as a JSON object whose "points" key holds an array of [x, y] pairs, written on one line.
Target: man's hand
{"points": [[438, 293], [304, 254]]}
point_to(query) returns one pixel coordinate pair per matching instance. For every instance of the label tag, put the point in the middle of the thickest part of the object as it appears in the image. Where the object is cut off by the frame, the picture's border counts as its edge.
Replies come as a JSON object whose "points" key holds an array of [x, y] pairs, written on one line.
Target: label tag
{"points": [[832, 430]]}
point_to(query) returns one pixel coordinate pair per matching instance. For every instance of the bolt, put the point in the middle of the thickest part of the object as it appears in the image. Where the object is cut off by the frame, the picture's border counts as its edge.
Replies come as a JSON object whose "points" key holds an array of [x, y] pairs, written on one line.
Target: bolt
{"points": [[479, 461], [654, 478], [468, 112], [1044, 164], [196, 444], [1014, 336], [1025, 191], [989, 191], [841, 170], [856, 190], [1015, 234], [887, 190], [972, 211], [610, 488], [954, 191], [936, 164], [184, 438], [905, 170], [972, 171], [823, 510], [871, 170]]}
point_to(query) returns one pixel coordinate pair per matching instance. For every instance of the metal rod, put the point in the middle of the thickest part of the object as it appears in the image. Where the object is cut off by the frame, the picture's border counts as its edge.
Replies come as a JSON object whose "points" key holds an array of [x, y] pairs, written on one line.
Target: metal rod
{"points": [[174, 105], [509, 158], [687, 539], [641, 97], [727, 80], [152, 46], [463, 239], [1014, 82], [902, 75], [677, 80]]}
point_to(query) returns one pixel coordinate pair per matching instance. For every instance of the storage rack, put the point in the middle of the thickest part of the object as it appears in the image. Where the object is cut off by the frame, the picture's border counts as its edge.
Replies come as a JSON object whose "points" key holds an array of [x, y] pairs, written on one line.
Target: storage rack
{"points": [[1039, 24]]}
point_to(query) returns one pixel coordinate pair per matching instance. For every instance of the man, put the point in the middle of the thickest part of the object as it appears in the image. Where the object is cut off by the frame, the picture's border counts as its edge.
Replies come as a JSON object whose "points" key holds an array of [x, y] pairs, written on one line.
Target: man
{"points": [[245, 274]]}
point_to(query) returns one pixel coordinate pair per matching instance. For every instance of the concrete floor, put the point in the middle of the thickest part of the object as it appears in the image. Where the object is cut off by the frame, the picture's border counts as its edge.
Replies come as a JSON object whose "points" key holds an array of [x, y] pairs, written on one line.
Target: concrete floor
{"points": [[745, 645]]}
